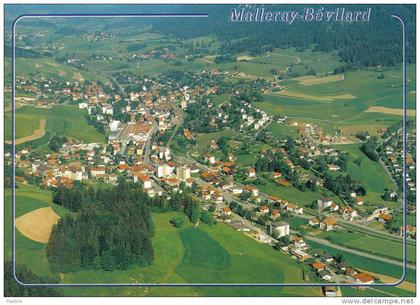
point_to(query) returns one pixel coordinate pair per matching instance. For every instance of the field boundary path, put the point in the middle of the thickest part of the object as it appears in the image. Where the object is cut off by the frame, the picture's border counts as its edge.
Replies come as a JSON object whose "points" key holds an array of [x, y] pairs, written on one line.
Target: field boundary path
{"points": [[38, 133]]}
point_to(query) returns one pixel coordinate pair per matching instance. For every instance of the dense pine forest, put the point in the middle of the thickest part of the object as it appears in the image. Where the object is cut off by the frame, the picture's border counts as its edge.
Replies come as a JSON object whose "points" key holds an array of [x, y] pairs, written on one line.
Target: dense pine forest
{"points": [[359, 44], [24, 275], [112, 228]]}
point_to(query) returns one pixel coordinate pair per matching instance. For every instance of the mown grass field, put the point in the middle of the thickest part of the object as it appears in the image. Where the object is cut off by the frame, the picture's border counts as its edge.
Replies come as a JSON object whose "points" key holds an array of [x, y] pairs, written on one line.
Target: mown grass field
{"points": [[367, 87], [61, 120], [309, 109], [370, 244], [190, 254], [220, 99], [280, 131], [292, 194], [204, 139], [370, 173], [46, 67], [28, 252]]}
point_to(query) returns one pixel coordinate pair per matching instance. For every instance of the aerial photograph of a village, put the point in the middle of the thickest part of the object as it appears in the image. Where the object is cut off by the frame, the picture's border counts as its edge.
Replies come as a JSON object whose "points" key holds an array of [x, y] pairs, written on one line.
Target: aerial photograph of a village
{"points": [[153, 145]]}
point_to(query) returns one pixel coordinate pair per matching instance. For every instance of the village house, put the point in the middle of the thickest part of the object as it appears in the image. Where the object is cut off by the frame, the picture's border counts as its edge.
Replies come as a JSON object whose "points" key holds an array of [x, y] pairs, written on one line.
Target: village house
{"points": [[300, 243], [279, 229], [145, 180], [276, 175], [330, 291], [363, 278], [411, 230], [292, 208], [172, 182], [97, 172], [301, 255], [326, 257], [273, 199], [239, 226], [323, 274], [237, 190], [314, 222], [226, 211], [334, 207], [263, 210], [209, 159], [194, 169], [112, 178], [275, 214], [324, 203], [213, 145], [252, 190], [359, 201], [218, 197], [328, 224], [349, 214], [251, 173], [384, 218], [318, 266]]}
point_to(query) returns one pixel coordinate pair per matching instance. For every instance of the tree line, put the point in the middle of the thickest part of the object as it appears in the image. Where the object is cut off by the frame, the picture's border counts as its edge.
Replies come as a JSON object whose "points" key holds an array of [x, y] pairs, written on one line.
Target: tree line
{"points": [[112, 229]]}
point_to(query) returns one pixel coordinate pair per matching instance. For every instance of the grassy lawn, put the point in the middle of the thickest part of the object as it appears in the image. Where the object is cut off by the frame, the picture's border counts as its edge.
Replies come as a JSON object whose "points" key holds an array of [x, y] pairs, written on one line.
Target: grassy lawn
{"points": [[296, 222], [365, 85], [309, 109], [292, 194], [200, 254], [368, 87], [28, 252], [203, 140], [191, 254], [280, 131], [220, 99], [370, 173], [46, 67], [202, 251], [61, 120]]}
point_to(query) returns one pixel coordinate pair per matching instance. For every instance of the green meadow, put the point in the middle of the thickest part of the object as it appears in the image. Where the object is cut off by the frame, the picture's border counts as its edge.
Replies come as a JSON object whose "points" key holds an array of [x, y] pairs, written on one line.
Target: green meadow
{"points": [[370, 173], [61, 120], [280, 131], [368, 243], [28, 252], [192, 254]]}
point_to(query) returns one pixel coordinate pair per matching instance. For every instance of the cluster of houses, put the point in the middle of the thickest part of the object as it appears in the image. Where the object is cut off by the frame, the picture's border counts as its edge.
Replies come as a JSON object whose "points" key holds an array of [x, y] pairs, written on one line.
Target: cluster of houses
{"points": [[98, 36], [392, 154], [163, 53], [325, 266], [327, 205], [252, 117], [285, 205], [315, 134]]}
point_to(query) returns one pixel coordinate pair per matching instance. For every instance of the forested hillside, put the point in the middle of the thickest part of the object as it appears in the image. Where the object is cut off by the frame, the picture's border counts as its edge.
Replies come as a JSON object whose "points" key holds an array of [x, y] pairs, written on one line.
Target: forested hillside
{"points": [[363, 44], [112, 230]]}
